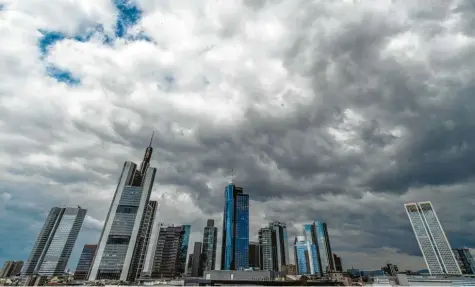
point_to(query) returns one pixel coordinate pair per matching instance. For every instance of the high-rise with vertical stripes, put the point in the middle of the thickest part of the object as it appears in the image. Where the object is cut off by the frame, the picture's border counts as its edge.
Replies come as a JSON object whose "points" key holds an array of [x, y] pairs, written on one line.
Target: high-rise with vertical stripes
{"points": [[119, 254], [431, 238]]}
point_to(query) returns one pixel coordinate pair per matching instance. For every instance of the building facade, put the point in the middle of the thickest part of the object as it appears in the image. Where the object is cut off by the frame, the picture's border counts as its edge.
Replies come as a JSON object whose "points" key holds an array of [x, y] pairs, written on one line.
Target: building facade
{"points": [[306, 257], [338, 265], [465, 260], [85, 261], [235, 238], [121, 244], [166, 261], [280, 245], [197, 263], [53, 247], [255, 255], [266, 249], [324, 247], [11, 269], [210, 241], [431, 238]]}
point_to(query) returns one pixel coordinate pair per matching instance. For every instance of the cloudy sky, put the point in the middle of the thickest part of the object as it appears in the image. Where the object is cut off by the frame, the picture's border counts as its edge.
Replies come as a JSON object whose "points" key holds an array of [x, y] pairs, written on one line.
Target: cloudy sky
{"points": [[333, 110]]}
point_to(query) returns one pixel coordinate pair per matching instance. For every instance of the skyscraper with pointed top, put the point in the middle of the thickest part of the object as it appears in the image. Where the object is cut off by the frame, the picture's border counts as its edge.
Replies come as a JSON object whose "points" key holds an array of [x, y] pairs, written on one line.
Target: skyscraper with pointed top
{"points": [[123, 238]]}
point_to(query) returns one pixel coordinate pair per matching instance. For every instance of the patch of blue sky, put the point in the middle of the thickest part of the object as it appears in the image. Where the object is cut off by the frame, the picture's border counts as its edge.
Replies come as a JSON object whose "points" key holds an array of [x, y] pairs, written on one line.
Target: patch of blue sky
{"points": [[62, 76], [128, 15]]}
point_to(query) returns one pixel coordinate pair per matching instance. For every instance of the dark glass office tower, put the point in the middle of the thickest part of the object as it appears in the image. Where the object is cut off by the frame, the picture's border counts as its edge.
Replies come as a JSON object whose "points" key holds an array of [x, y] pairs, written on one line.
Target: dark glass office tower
{"points": [[210, 241], [235, 243], [84, 264], [254, 255], [465, 260]]}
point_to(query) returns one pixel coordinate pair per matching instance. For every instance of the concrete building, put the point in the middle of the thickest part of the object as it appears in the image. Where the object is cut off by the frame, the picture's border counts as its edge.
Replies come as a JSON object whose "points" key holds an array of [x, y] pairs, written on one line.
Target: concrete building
{"points": [[11, 269], [210, 241], [266, 246], [121, 244], [196, 269], [54, 244], [254, 255], [85, 261], [431, 238]]}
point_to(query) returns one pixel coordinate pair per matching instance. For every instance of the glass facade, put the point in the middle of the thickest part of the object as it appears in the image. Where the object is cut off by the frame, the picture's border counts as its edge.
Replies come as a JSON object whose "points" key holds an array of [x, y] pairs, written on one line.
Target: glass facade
{"points": [[184, 248], [324, 248], [84, 264], [306, 256], [210, 241], [431, 238], [235, 243], [465, 260]]}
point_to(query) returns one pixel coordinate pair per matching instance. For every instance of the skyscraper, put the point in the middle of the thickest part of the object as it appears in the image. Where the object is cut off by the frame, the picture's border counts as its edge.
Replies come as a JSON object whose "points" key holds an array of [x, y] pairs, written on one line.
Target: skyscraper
{"points": [[121, 244], [235, 243], [210, 241], [196, 268], [317, 234], [11, 268], [54, 244], [465, 260], [266, 246], [280, 246], [431, 238], [84, 264], [255, 255], [338, 265], [306, 257], [324, 247], [166, 259]]}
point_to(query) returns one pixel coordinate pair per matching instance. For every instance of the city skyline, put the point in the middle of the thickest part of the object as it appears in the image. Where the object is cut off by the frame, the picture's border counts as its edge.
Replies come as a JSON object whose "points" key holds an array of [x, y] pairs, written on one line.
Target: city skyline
{"points": [[340, 111]]}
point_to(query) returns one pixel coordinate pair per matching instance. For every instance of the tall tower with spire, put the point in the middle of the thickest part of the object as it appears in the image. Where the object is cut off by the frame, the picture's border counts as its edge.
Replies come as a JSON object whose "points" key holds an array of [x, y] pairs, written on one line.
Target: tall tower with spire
{"points": [[123, 236]]}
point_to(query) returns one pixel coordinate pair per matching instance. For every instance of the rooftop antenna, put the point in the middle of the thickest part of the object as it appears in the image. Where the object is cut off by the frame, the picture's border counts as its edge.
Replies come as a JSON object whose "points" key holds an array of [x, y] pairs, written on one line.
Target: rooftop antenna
{"points": [[151, 139]]}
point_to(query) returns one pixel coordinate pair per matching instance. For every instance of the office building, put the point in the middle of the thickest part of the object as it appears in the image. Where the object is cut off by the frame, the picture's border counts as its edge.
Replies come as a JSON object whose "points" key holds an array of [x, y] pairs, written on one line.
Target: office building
{"points": [[197, 263], [167, 253], [306, 257], [317, 234], [53, 247], [431, 238], [338, 265], [210, 241], [184, 248], [84, 263], [121, 244], [266, 246], [465, 260], [189, 265], [280, 248], [254, 255], [235, 240], [11, 269]]}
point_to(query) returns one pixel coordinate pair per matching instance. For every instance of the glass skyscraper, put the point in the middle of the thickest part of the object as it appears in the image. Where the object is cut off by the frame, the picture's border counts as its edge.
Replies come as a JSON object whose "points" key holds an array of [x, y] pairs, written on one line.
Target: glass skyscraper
{"points": [[317, 234], [465, 260], [84, 263], [210, 241], [306, 257], [235, 240], [431, 238], [55, 242], [265, 243], [273, 243], [121, 242]]}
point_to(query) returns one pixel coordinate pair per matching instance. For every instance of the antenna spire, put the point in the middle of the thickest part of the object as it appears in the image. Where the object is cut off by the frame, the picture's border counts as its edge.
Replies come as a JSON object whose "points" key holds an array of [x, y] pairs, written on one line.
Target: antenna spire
{"points": [[233, 175], [151, 139]]}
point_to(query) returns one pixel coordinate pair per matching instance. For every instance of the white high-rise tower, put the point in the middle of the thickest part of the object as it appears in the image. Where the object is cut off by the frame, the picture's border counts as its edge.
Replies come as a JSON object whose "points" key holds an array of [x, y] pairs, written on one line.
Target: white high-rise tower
{"points": [[431, 238]]}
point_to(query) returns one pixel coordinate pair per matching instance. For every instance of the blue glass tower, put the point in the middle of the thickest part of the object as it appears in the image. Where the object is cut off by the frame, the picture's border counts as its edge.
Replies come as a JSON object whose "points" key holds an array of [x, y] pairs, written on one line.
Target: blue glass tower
{"points": [[184, 248], [235, 243], [306, 256]]}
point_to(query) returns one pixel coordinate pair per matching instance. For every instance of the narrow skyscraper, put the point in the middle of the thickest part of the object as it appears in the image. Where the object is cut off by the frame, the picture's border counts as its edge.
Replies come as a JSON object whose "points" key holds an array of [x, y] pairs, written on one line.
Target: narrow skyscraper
{"points": [[210, 241], [121, 242], [431, 238], [306, 257], [255, 255], [235, 243], [196, 268], [84, 263], [55, 242], [317, 234], [266, 248], [279, 244]]}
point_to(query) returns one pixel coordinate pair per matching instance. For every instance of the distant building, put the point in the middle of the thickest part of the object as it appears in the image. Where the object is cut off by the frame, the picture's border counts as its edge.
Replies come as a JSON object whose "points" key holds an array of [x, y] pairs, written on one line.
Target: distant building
{"points": [[189, 265], [390, 269], [306, 257], [317, 234], [431, 238], [85, 261], [196, 269], [210, 242], [266, 254], [254, 255], [11, 269], [465, 261], [289, 269], [53, 247], [235, 238], [280, 253], [338, 265], [164, 258]]}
